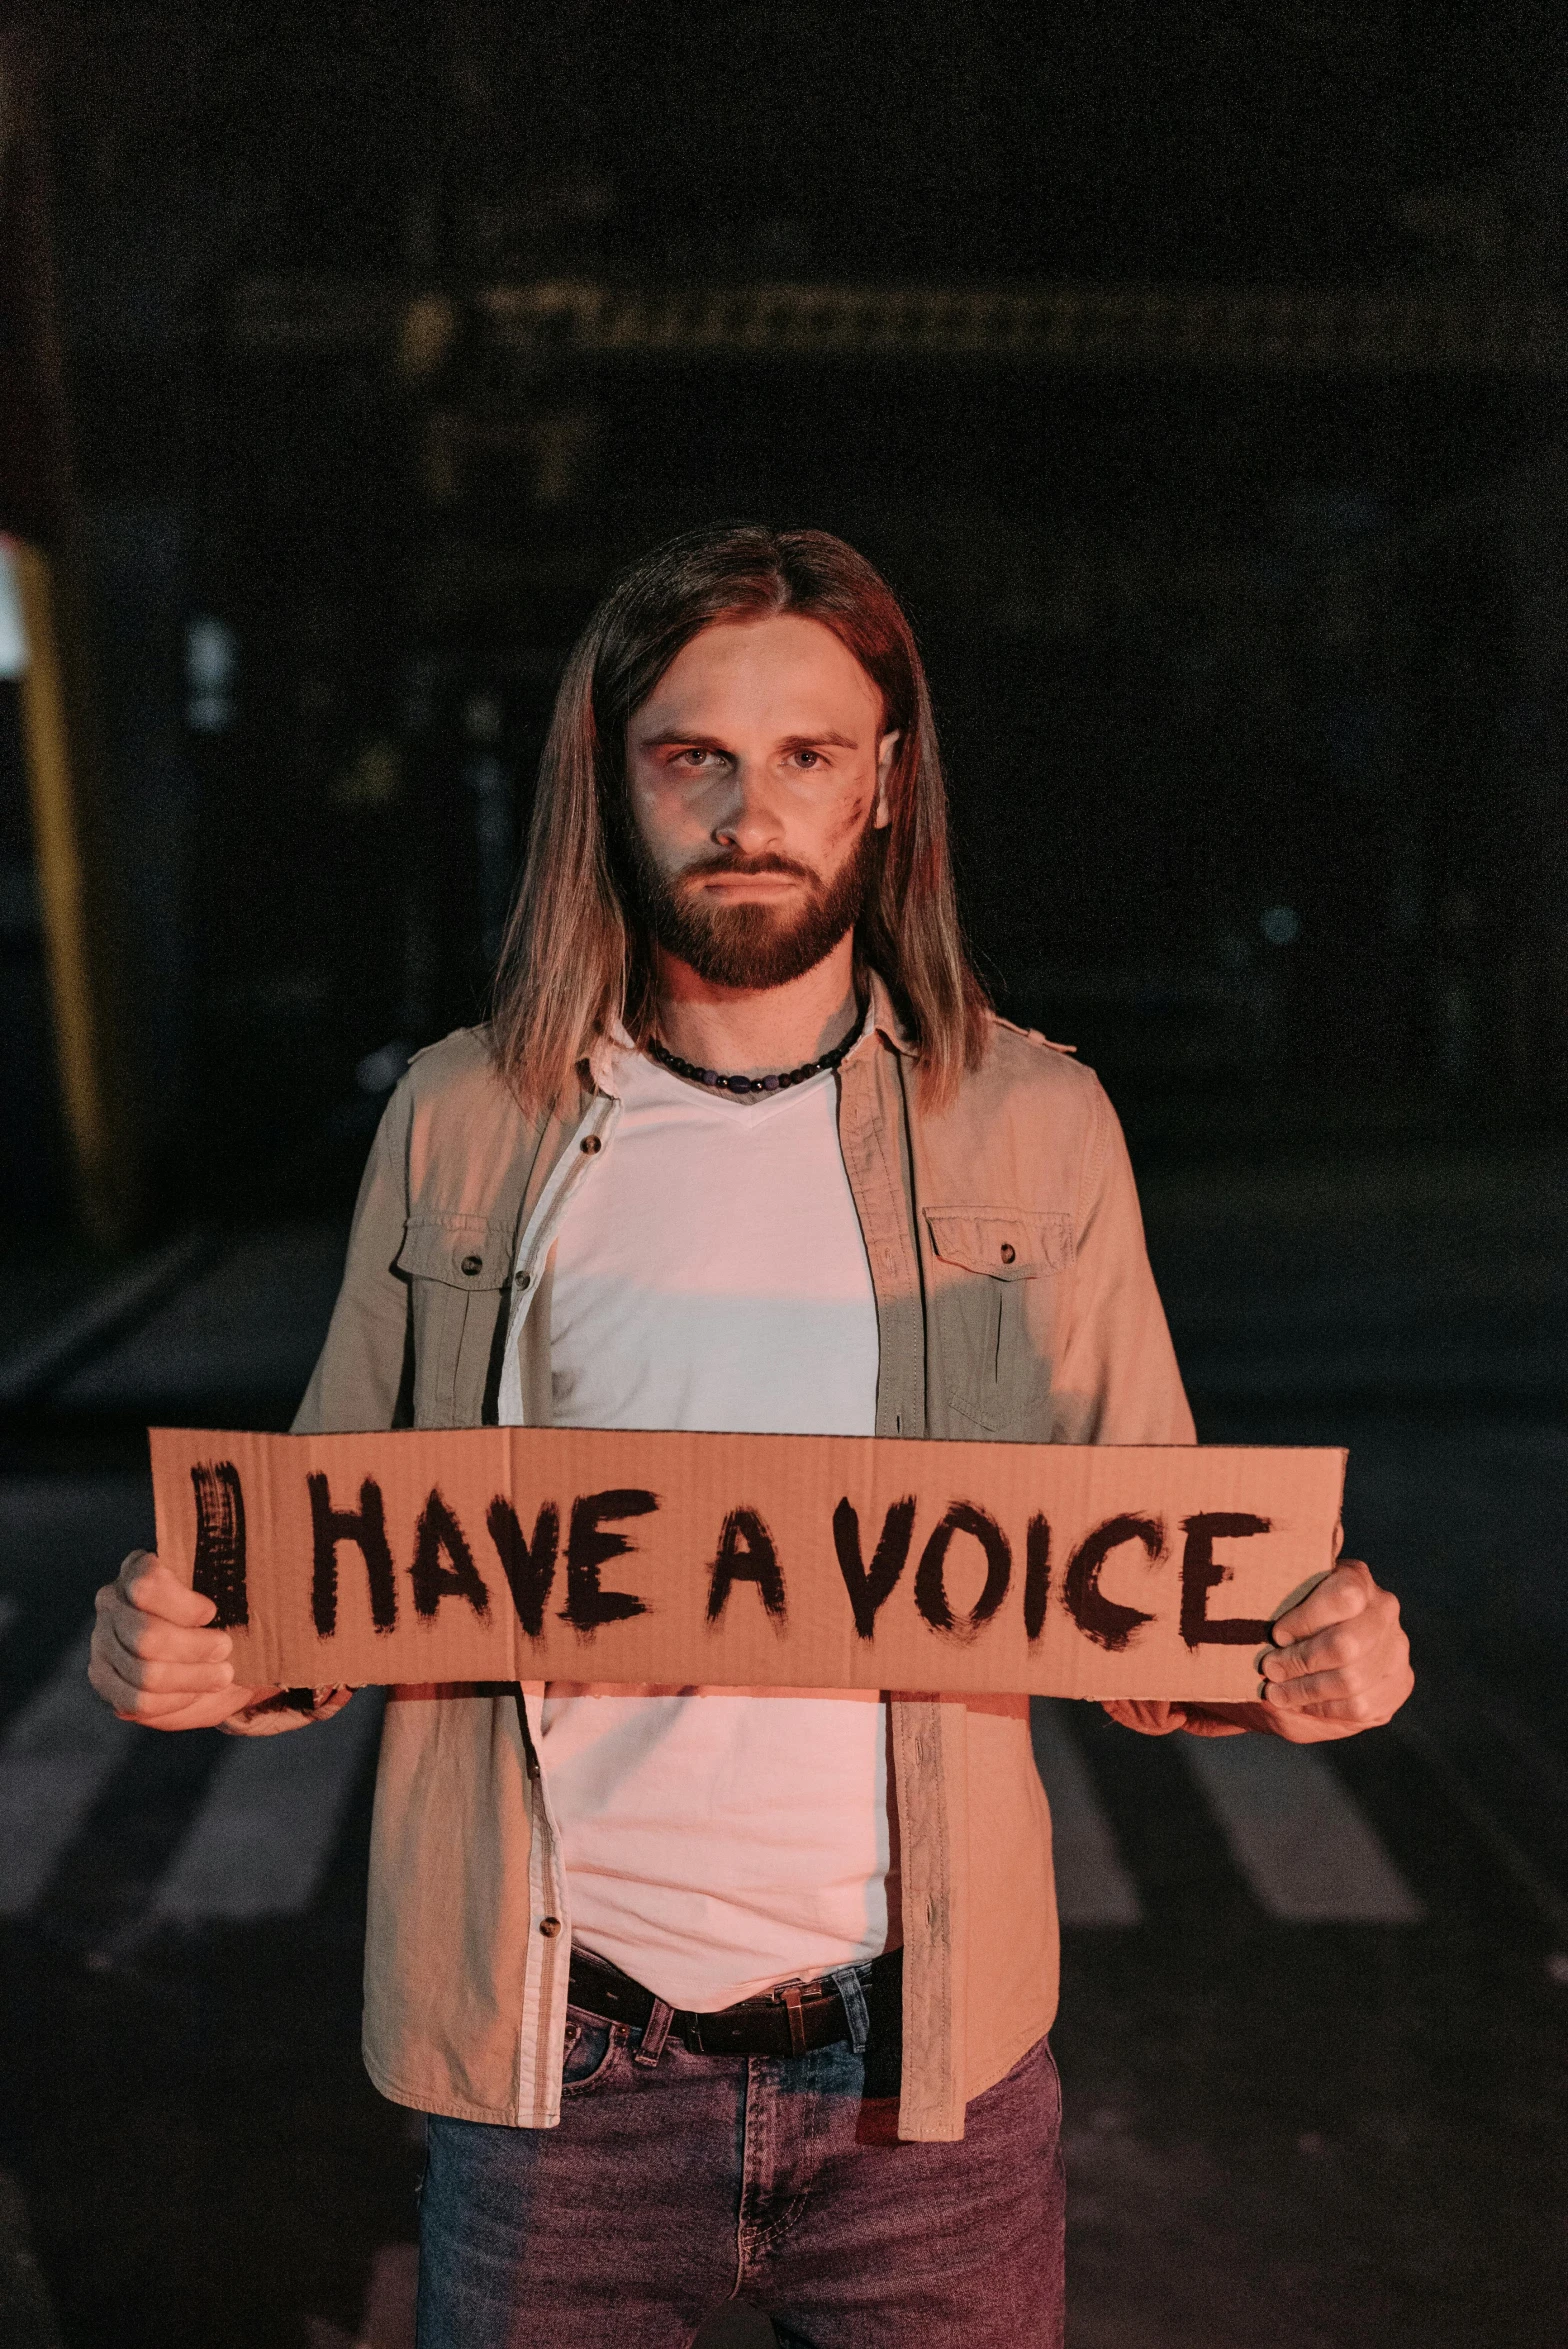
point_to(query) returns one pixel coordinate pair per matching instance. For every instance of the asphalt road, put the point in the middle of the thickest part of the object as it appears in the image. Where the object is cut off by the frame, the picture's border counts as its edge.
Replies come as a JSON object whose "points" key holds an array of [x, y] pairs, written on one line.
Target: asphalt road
{"points": [[1315, 2007]]}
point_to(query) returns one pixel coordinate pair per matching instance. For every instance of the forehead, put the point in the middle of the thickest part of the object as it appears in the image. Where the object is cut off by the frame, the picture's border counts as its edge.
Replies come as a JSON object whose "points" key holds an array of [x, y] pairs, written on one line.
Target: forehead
{"points": [[785, 669]]}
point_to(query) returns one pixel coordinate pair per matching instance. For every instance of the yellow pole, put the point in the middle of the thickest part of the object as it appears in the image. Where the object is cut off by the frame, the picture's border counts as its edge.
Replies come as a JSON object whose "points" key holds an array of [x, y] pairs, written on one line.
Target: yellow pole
{"points": [[91, 1088]]}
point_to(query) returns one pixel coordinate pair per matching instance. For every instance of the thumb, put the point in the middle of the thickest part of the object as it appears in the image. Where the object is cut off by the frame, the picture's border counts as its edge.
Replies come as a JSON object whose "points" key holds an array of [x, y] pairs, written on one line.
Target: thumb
{"points": [[150, 1586]]}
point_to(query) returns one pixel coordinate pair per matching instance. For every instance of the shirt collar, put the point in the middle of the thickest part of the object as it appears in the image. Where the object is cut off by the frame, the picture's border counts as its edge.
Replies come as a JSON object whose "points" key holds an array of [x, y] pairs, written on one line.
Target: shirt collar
{"points": [[603, 1051], [883, 1015]]}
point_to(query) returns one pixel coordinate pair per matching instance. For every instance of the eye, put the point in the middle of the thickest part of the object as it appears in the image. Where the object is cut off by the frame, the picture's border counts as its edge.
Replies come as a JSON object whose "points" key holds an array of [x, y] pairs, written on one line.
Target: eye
{"points": [[809, 758]]}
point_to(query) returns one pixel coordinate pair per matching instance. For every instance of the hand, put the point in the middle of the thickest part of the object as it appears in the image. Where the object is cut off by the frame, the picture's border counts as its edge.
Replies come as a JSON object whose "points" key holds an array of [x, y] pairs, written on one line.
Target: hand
{"points": [[155, 1658], [1340, 1661]]}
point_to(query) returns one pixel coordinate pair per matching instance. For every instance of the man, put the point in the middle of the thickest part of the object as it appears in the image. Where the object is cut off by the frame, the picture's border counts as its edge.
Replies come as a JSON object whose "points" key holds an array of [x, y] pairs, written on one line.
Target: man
{"points": [[711, 1992]]}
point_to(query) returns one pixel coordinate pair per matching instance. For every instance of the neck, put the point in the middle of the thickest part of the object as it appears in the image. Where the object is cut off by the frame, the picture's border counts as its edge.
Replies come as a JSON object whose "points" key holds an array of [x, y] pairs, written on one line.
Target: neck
{"points": [[748, 1031]]}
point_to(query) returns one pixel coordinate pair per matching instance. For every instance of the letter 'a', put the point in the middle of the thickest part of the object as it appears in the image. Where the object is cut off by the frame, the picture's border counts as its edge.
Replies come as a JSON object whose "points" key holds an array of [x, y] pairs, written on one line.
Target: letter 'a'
{"points": [[746, 1553]]}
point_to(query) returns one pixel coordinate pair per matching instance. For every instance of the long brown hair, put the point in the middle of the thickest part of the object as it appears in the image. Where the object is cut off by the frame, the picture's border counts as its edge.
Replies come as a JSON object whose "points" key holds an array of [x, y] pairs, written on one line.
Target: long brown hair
{"points": [[573, 958]]}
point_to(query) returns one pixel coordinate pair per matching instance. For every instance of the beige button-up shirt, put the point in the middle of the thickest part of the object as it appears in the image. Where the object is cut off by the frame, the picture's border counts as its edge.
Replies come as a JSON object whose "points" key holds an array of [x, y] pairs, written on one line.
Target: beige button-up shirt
{"points": [[1014, 1303]]}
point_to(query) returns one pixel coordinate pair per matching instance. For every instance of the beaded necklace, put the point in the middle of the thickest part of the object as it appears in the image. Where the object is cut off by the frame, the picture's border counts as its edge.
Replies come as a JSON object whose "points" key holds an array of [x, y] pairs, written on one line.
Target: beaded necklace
{"points": [[770, 1084]]}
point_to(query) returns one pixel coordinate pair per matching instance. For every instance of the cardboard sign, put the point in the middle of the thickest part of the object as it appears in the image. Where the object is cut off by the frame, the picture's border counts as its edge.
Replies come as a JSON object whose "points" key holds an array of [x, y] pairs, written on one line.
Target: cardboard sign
{"points": [[743, 1561]]}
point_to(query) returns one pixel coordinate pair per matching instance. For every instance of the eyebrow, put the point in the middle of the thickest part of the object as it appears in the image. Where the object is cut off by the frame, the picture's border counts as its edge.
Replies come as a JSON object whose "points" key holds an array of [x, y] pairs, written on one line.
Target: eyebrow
{"points": [[668, 738]]}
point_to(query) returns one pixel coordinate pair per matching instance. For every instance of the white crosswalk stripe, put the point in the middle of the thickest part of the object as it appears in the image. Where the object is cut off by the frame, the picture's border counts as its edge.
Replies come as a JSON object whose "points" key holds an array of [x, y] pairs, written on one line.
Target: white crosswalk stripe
{"points": [[1092, 1885], [56, 1758], [1302, 1843], [264, 1834], [269, 1821]]}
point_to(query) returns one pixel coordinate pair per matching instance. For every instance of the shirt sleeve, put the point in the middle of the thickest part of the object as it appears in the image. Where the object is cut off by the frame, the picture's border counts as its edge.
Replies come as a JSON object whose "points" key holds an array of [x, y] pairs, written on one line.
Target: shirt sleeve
{"points": [[361, 1380], [1116, 1378], [1119, 1375]]}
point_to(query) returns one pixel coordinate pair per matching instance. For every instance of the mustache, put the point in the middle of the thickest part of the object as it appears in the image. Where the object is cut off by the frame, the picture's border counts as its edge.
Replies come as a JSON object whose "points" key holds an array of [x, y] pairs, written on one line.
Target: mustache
{"points": [[743, 867]]}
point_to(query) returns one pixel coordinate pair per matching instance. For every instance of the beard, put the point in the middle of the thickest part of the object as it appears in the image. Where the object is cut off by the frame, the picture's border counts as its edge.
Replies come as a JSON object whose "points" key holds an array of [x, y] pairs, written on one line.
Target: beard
{"points": [[754, 946]]}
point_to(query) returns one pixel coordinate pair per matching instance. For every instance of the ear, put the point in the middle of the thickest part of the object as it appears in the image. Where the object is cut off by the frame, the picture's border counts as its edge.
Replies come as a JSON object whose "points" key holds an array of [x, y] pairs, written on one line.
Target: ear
{"points": [[882, 813]]}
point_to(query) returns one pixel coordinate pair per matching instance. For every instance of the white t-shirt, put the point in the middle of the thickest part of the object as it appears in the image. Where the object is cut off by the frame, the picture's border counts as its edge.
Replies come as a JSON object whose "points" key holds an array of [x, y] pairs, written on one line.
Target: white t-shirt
{"points": [[710, 1273]]}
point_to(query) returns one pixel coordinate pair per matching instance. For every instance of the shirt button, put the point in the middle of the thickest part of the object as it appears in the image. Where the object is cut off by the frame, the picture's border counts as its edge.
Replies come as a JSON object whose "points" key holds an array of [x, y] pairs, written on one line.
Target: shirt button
{"points": [[1008, 1251], [526, 1281], [591, 1144], [473, 1264], [549, 1927]]}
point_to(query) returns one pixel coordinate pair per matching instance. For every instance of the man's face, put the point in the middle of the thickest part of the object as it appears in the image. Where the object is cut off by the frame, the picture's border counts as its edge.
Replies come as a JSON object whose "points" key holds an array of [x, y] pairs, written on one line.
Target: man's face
{"points": [[757, 773]]}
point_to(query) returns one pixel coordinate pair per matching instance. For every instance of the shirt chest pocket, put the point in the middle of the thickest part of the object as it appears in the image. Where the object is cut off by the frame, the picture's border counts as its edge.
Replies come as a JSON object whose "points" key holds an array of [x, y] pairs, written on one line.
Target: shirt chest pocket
{"points": [[994, 1276], [458, 1268]]}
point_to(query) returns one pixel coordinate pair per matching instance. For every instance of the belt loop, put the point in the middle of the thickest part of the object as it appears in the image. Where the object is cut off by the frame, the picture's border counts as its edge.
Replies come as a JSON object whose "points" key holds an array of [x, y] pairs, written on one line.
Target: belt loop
{"points": [[788, 1996], [850, 1983], [655, 2031]]}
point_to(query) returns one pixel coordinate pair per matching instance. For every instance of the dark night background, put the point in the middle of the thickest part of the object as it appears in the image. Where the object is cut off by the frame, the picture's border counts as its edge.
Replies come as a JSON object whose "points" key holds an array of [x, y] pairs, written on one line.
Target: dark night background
{"points": [[385, 332], [1249, 674]]}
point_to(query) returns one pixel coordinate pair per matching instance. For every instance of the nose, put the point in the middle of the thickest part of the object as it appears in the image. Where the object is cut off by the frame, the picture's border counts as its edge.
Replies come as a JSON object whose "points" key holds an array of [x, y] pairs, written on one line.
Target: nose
{"points": [[749, 821]]}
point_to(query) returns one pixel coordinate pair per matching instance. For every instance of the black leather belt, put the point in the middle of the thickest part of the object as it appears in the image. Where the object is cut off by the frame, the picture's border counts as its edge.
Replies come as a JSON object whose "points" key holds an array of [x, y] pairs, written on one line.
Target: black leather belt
{"points": [[791, 2020]]}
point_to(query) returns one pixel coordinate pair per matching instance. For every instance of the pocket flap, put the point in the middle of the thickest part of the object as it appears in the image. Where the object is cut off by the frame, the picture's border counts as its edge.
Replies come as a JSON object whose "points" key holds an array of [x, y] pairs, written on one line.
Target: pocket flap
{"points": [[1006, 1242], [463, 1250]]}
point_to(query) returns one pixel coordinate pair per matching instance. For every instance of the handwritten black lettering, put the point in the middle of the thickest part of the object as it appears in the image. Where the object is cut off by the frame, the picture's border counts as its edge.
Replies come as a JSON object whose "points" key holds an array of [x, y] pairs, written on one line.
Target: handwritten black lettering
{"points": [[869, 1586], [529, 1566], [366, 1526], [589, 1544], [931, 1573], [746, 1554], [1202, 1572], [1037, 1575], [439, 1533], [219, 1566], [1108, 1624]]}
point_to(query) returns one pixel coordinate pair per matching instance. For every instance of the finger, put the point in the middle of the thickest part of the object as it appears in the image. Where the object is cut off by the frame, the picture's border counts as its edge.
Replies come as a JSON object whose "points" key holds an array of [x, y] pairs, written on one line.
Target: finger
{"points": [[158, 1671], [1148, 1718], [1333, 1657], [169, 1643], [206, 1712], [1338, 1596], [269, 1724], [1342, 1645], [1344, 1695], [149, 1585], [143, 1704], [150, 1709], [118, 1693], [1310, 1688], [1368, 1646], [1338, 1717]]}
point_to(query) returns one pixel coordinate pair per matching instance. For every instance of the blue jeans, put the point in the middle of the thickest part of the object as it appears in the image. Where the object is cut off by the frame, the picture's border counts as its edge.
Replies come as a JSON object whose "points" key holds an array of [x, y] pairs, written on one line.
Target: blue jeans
{"points": [[674, 2186]]}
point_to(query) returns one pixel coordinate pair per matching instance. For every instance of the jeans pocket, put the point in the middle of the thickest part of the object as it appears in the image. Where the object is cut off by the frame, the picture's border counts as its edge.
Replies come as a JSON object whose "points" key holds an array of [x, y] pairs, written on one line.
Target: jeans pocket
{"points": [[591, 2044]]}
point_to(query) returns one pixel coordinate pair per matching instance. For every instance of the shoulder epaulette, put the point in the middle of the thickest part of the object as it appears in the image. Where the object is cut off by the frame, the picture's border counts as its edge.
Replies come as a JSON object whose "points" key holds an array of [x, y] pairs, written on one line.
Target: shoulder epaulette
{"points": [[1032, 1035]]}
